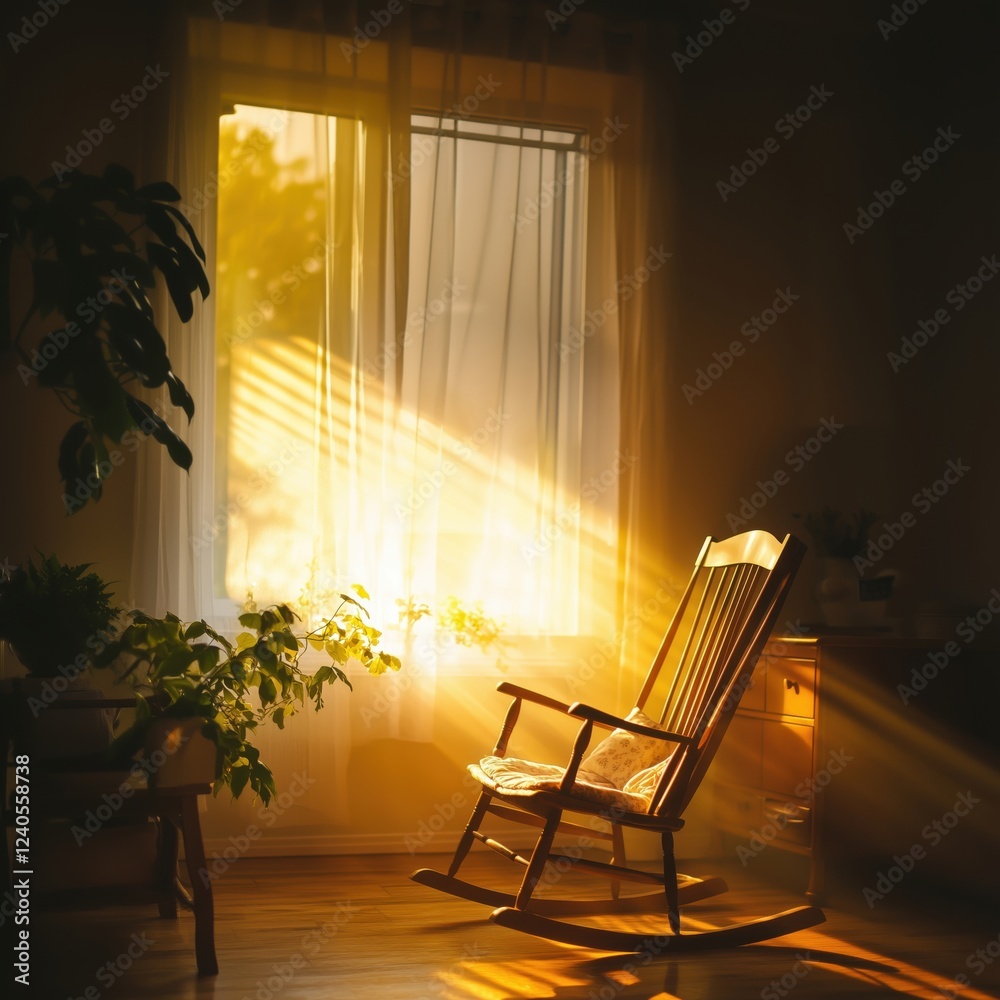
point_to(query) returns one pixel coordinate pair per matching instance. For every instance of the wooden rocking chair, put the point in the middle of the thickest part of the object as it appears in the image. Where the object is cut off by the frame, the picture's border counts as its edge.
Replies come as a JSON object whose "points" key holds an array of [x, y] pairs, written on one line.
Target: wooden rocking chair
{"points": [[647, 771]]}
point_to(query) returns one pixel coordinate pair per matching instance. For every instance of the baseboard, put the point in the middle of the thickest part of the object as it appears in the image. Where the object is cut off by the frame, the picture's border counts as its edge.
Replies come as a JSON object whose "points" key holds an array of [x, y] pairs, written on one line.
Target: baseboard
{"points": [[275, 845]]}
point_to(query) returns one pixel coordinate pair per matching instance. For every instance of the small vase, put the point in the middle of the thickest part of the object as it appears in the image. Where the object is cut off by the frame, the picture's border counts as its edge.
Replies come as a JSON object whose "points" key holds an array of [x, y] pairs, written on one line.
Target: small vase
{"points": [[837, 591], [839, 594]]}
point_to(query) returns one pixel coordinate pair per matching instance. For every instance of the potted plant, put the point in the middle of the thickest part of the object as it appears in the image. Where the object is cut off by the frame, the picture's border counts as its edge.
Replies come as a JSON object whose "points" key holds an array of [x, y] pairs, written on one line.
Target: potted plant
{"points": [[228, 688], [59, 620], [96, 247], [845, 600]]}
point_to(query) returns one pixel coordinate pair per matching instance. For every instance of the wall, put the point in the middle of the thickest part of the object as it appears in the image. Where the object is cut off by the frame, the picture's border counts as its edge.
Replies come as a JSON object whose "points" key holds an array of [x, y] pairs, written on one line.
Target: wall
{"points": [[826, 358], [56, 84]]}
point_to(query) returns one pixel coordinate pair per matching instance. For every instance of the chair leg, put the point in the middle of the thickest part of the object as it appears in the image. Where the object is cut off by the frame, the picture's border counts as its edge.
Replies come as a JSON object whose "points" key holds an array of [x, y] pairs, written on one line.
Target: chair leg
{"points": [[617, 856], [201, 888], [670, 882], [470, 830], [537, 863]]}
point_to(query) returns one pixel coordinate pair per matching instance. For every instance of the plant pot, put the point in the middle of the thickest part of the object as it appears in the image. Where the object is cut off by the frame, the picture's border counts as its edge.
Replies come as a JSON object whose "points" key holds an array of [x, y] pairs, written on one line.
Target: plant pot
{"points": [[178, 753]]}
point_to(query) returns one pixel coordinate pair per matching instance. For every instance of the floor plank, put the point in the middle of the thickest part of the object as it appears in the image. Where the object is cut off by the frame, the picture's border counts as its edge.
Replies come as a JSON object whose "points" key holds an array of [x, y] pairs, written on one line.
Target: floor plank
{"points": [[356, 927]]}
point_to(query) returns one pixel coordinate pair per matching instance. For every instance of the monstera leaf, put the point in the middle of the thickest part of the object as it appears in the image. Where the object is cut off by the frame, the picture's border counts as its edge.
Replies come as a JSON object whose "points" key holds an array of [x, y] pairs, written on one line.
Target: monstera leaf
{"points": [[97, 247]]}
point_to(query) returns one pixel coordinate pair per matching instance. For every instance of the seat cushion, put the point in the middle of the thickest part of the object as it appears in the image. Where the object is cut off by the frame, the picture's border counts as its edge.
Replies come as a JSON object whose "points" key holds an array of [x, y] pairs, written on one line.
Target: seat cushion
{"points": [[511, 775]]}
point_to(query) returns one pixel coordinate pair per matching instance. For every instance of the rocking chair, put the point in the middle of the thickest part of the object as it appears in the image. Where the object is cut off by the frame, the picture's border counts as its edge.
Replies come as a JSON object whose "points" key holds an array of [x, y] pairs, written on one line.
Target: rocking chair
{"points": [[646, 772]]}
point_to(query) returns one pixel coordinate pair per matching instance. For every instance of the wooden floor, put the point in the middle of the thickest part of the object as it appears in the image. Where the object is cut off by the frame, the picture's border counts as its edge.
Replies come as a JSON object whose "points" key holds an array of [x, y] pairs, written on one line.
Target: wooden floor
{"points": [[356, 927]]}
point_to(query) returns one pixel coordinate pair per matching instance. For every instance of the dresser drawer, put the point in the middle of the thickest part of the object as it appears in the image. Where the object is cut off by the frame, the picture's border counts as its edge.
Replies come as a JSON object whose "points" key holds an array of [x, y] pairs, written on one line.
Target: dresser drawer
{"points": [[791, 819], [739, 757], [787, 757], [738, 810], [791, 686], [754, 696]]}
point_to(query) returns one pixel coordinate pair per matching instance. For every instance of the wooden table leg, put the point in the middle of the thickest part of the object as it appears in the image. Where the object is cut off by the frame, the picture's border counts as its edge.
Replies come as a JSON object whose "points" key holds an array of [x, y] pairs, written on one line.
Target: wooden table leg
{"points": [[166, 867], [201, 888]]}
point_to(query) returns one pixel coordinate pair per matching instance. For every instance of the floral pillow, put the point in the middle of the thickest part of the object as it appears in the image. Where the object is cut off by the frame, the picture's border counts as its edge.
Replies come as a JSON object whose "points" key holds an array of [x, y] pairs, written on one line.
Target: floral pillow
{"points": [[644, 782], [623, 754]]}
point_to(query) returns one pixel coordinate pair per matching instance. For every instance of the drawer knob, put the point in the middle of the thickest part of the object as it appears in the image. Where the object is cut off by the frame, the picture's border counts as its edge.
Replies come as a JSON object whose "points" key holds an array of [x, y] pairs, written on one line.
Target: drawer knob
{"points": [[791, 685]]}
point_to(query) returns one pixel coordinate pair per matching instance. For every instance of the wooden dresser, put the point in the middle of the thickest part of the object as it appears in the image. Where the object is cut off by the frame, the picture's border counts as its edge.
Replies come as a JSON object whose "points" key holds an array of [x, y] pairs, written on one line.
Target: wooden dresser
{"points": [[828, 758]]}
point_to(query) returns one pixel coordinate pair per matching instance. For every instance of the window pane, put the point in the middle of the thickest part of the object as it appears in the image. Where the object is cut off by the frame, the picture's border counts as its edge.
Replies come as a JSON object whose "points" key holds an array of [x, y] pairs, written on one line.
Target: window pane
{"points": [[455, 468]]}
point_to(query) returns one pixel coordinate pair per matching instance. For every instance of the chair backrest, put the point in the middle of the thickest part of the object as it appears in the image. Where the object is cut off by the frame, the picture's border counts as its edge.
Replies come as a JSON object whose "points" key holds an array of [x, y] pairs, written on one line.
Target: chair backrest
{"points": [[709, 651]]}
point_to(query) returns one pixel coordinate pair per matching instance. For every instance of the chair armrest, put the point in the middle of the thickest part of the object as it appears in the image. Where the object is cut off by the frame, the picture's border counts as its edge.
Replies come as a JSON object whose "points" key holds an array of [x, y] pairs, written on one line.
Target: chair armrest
{"points": [[582, 711], [504, 687], [520, 694]]}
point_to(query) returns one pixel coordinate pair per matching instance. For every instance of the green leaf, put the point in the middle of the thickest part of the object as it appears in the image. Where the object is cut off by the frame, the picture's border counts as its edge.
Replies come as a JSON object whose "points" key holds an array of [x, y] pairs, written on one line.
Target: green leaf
{"points": [[337, 650], [238, 778], [268, 692], [195, 629], [159, 191], [245, 640], [179, 395], [250, 619], [177, 284]]}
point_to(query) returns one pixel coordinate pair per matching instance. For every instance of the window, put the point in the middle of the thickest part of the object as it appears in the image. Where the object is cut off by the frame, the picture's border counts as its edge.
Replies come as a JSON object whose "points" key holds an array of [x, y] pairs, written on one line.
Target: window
{"points": [[465, 456]]}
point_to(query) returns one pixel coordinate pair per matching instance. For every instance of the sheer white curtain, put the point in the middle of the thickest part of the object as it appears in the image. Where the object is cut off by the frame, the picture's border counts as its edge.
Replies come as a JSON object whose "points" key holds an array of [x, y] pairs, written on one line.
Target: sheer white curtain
{"points": [[409, 374]]}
